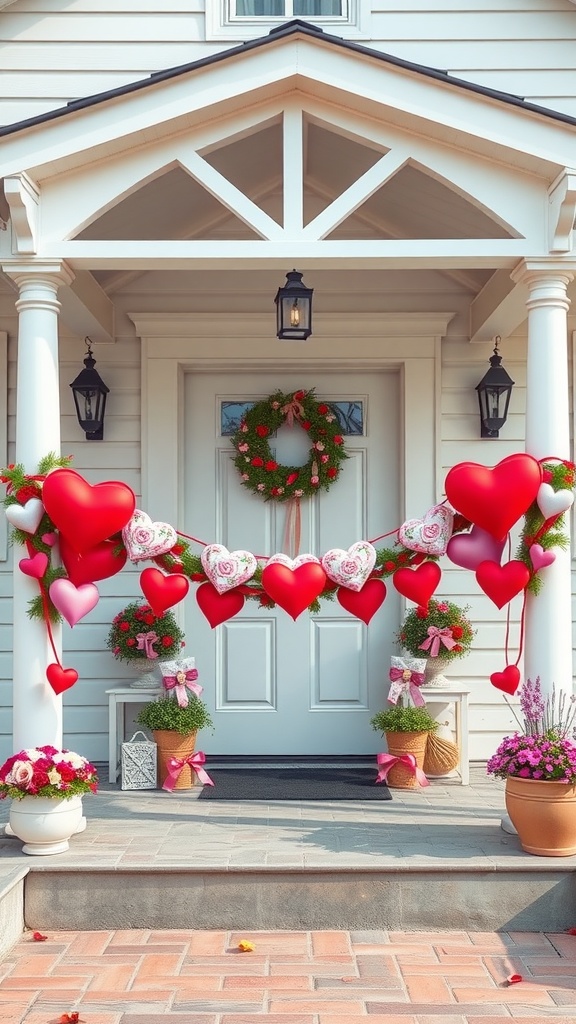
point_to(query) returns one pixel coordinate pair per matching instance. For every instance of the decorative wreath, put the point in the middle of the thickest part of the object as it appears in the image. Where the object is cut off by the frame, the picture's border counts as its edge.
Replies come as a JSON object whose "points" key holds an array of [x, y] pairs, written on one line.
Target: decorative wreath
{"points": [[258, 469]]}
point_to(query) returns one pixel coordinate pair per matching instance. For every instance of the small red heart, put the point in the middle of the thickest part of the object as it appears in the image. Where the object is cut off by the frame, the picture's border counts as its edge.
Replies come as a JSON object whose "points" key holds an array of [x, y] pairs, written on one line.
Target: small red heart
{"points": [[363, 603], [163, 592], [217, 608], [61, 679], [35, 566], [502, 582], [507, 680], [419, 584], [293, 589], [97, 563]]}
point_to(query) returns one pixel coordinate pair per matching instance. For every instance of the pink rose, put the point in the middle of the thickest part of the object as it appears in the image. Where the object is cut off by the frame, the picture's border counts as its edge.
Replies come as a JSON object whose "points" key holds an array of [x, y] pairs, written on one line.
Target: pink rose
{"points": [[243, 447], [22, 774], [324, 458]]}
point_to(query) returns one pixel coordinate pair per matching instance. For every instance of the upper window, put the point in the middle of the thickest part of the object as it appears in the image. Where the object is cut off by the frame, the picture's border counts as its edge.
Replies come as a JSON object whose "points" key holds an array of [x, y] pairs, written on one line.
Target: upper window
{"points": [[249, 19], [287, 9]]}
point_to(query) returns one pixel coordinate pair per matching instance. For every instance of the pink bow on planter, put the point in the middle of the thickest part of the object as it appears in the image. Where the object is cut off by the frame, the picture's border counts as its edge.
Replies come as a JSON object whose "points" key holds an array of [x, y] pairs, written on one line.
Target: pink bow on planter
{"points": [[436, 636], [387, 761], [145, 641], [405, 680], [180, 682], [176, 764]]}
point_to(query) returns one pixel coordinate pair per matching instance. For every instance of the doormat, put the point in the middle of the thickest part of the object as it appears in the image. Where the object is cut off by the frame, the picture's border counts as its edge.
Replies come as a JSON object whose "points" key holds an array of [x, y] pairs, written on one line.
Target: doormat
{"points": [[306, 783]]}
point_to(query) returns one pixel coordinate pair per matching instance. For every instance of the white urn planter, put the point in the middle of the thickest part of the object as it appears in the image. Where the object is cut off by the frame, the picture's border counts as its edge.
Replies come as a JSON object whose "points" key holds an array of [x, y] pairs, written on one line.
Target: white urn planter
{"points": [[45, 824]]}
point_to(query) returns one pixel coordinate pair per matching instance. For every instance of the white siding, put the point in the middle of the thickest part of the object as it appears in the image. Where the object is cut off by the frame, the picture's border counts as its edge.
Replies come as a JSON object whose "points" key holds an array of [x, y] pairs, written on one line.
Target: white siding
{"points": [[52, 51]]}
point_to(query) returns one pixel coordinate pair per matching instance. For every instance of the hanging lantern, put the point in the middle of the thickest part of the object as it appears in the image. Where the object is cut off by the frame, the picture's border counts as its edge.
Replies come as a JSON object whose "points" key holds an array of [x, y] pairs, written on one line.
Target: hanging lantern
{"points": [[494, 392], [294, 309], [90, 393]]}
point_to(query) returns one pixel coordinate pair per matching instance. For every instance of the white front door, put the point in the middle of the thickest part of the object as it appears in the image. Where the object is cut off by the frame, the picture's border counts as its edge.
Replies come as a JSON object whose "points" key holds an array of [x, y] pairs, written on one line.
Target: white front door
{"points": [[274, 685]]}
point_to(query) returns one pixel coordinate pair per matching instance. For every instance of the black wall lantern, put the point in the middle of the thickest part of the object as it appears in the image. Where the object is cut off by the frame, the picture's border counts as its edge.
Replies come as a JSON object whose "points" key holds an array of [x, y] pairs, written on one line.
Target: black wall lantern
{"points": [[294, 309], [90, 392], [494, 392]]}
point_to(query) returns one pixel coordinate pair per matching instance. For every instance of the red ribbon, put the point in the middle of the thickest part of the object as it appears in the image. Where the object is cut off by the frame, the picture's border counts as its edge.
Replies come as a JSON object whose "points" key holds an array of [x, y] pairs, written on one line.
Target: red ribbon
{"points": [[176, 764], [435, 637], [387, 761]]}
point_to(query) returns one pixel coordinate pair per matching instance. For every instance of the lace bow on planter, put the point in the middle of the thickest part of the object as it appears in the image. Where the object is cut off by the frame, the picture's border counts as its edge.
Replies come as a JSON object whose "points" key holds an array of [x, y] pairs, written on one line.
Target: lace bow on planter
{"points": [[406, 677], [181, 676]]}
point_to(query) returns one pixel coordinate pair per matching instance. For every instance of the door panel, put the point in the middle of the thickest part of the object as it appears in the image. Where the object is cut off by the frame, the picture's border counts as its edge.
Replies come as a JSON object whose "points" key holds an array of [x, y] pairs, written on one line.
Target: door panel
{"points": [[276, 686]]}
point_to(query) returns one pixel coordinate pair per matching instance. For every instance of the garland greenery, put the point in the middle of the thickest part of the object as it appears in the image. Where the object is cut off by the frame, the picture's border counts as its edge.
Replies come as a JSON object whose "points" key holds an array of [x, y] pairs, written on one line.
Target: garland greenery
{"points": [[548, 533], [254, 460]]}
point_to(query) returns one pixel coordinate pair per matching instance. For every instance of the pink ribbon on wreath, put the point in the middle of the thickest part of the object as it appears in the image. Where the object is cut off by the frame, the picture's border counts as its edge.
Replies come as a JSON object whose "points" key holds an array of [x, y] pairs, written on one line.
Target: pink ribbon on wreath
{"points": [[436, 636], [292, 409], [176, 764], [145, 641], [404, 680], [182, 681], [387, 761]]}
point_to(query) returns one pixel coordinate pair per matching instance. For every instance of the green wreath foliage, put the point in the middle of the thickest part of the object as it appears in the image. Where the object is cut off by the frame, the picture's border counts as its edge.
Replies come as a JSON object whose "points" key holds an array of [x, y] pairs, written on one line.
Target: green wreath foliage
{"points": [[254, 460]]}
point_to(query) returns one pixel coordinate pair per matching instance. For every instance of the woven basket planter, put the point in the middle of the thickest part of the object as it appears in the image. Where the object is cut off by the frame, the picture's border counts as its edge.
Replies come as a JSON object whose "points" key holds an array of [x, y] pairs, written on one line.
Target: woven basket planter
{"points": [[398, 743], [173, 744], [442, 755]]}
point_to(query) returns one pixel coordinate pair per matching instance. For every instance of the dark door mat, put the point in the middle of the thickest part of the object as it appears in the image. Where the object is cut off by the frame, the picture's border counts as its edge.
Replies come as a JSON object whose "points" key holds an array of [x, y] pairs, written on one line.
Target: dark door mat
{"points": [[294, 784]]}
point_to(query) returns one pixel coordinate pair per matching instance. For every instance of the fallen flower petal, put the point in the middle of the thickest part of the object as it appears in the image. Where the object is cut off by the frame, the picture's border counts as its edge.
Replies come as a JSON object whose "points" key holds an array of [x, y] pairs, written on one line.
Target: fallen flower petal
{"points": [[38, 937], [246, 947], [571, 931], [70, 1018], [512, 979]]}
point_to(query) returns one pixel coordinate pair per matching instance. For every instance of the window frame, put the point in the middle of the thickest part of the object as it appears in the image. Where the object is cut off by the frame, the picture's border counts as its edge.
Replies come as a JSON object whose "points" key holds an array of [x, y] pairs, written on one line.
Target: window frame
{"points": [[221, 24]]}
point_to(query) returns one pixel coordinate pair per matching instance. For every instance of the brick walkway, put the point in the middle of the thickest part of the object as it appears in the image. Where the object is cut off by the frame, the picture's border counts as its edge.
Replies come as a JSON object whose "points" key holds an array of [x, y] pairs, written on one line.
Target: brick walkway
{"points": [[195, 977]]}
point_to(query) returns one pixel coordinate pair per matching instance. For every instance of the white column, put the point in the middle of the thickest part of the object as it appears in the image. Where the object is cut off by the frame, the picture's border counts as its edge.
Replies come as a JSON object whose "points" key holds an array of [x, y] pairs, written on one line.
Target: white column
{"points": [[548, 635], [37, 711]]}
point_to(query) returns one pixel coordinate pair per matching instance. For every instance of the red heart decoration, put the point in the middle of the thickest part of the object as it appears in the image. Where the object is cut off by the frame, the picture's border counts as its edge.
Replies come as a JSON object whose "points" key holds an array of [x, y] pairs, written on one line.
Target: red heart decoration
{"points": [[217, 607], [494, 499], [293, 589], [86, 514], [61, 679], [163, 592], [502, 582], [35, 566], [419, 584], [98, 563], [507, 680], [363, 603]]}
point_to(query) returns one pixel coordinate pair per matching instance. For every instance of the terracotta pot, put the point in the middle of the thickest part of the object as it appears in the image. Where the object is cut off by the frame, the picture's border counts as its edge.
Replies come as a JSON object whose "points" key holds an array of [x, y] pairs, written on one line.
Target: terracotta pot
{"points": [[399, 743], [544, 816], [172, 744]]}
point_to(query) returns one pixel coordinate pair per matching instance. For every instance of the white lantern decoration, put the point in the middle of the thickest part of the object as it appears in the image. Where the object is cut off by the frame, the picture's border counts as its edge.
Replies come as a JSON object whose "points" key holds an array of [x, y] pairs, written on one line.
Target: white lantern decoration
{"points": [[139, 763]]}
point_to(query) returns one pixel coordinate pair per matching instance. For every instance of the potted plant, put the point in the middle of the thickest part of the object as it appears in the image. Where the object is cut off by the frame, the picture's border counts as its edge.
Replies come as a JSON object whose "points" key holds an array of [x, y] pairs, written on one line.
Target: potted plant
{"points": [[174, 729], [539, 766], [440, 632], [46, 785], [138, 638], [406, 729]]}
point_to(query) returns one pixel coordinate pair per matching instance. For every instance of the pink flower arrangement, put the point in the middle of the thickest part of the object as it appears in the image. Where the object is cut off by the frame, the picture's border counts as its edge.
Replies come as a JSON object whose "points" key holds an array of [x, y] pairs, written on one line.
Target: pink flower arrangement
{"points": [[545, 749], [46, 771]]}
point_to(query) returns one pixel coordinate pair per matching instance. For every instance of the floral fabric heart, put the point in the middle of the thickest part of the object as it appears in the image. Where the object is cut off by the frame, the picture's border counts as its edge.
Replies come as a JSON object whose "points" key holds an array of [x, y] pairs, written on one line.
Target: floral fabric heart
{"points": [[431, 534], [350, 568], [145, 539], [292, 563], [227, 569], [26, 517]]}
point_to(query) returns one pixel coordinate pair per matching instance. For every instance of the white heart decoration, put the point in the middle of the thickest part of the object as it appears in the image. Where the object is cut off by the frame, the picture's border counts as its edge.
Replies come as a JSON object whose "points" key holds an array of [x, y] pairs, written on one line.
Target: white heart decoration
{"points": [[26, 517], [292, 563], [553, 503], [429, 535], [350, 568], [145, 539], [73, 602], [227, 569]]}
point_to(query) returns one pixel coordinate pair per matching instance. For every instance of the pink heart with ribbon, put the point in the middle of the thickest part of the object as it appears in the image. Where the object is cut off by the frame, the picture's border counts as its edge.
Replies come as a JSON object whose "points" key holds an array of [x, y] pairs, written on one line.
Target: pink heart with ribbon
{"points": [[73, 602], [145, 539], [350, 568], [35, 566], [227, 569], [429, 535]]}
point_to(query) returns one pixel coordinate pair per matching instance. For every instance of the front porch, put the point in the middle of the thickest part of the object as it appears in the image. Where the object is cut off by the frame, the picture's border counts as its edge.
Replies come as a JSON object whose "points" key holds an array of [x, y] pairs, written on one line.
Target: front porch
{"points": [[149, 859]]}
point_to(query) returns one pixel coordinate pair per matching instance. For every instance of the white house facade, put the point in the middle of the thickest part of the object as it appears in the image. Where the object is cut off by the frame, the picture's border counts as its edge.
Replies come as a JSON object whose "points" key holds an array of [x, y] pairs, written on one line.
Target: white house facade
{"points": [[164, 166]]}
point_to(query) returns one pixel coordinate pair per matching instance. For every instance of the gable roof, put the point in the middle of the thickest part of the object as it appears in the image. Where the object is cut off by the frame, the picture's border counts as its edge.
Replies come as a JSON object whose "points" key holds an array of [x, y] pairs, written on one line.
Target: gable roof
{"points": [[296, 26]]}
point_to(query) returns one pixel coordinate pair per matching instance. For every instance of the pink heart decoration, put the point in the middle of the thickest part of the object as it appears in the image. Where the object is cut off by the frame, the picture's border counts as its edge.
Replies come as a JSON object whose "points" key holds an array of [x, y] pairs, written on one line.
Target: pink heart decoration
{"points": [[145, 539], [553, 503], [350, 568], [26, 517], [541, 558], [35, 566], [502, 582], [49, 539], [227, 569], [469, 549], [507, 680], [431, 534], [73, 602]]}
